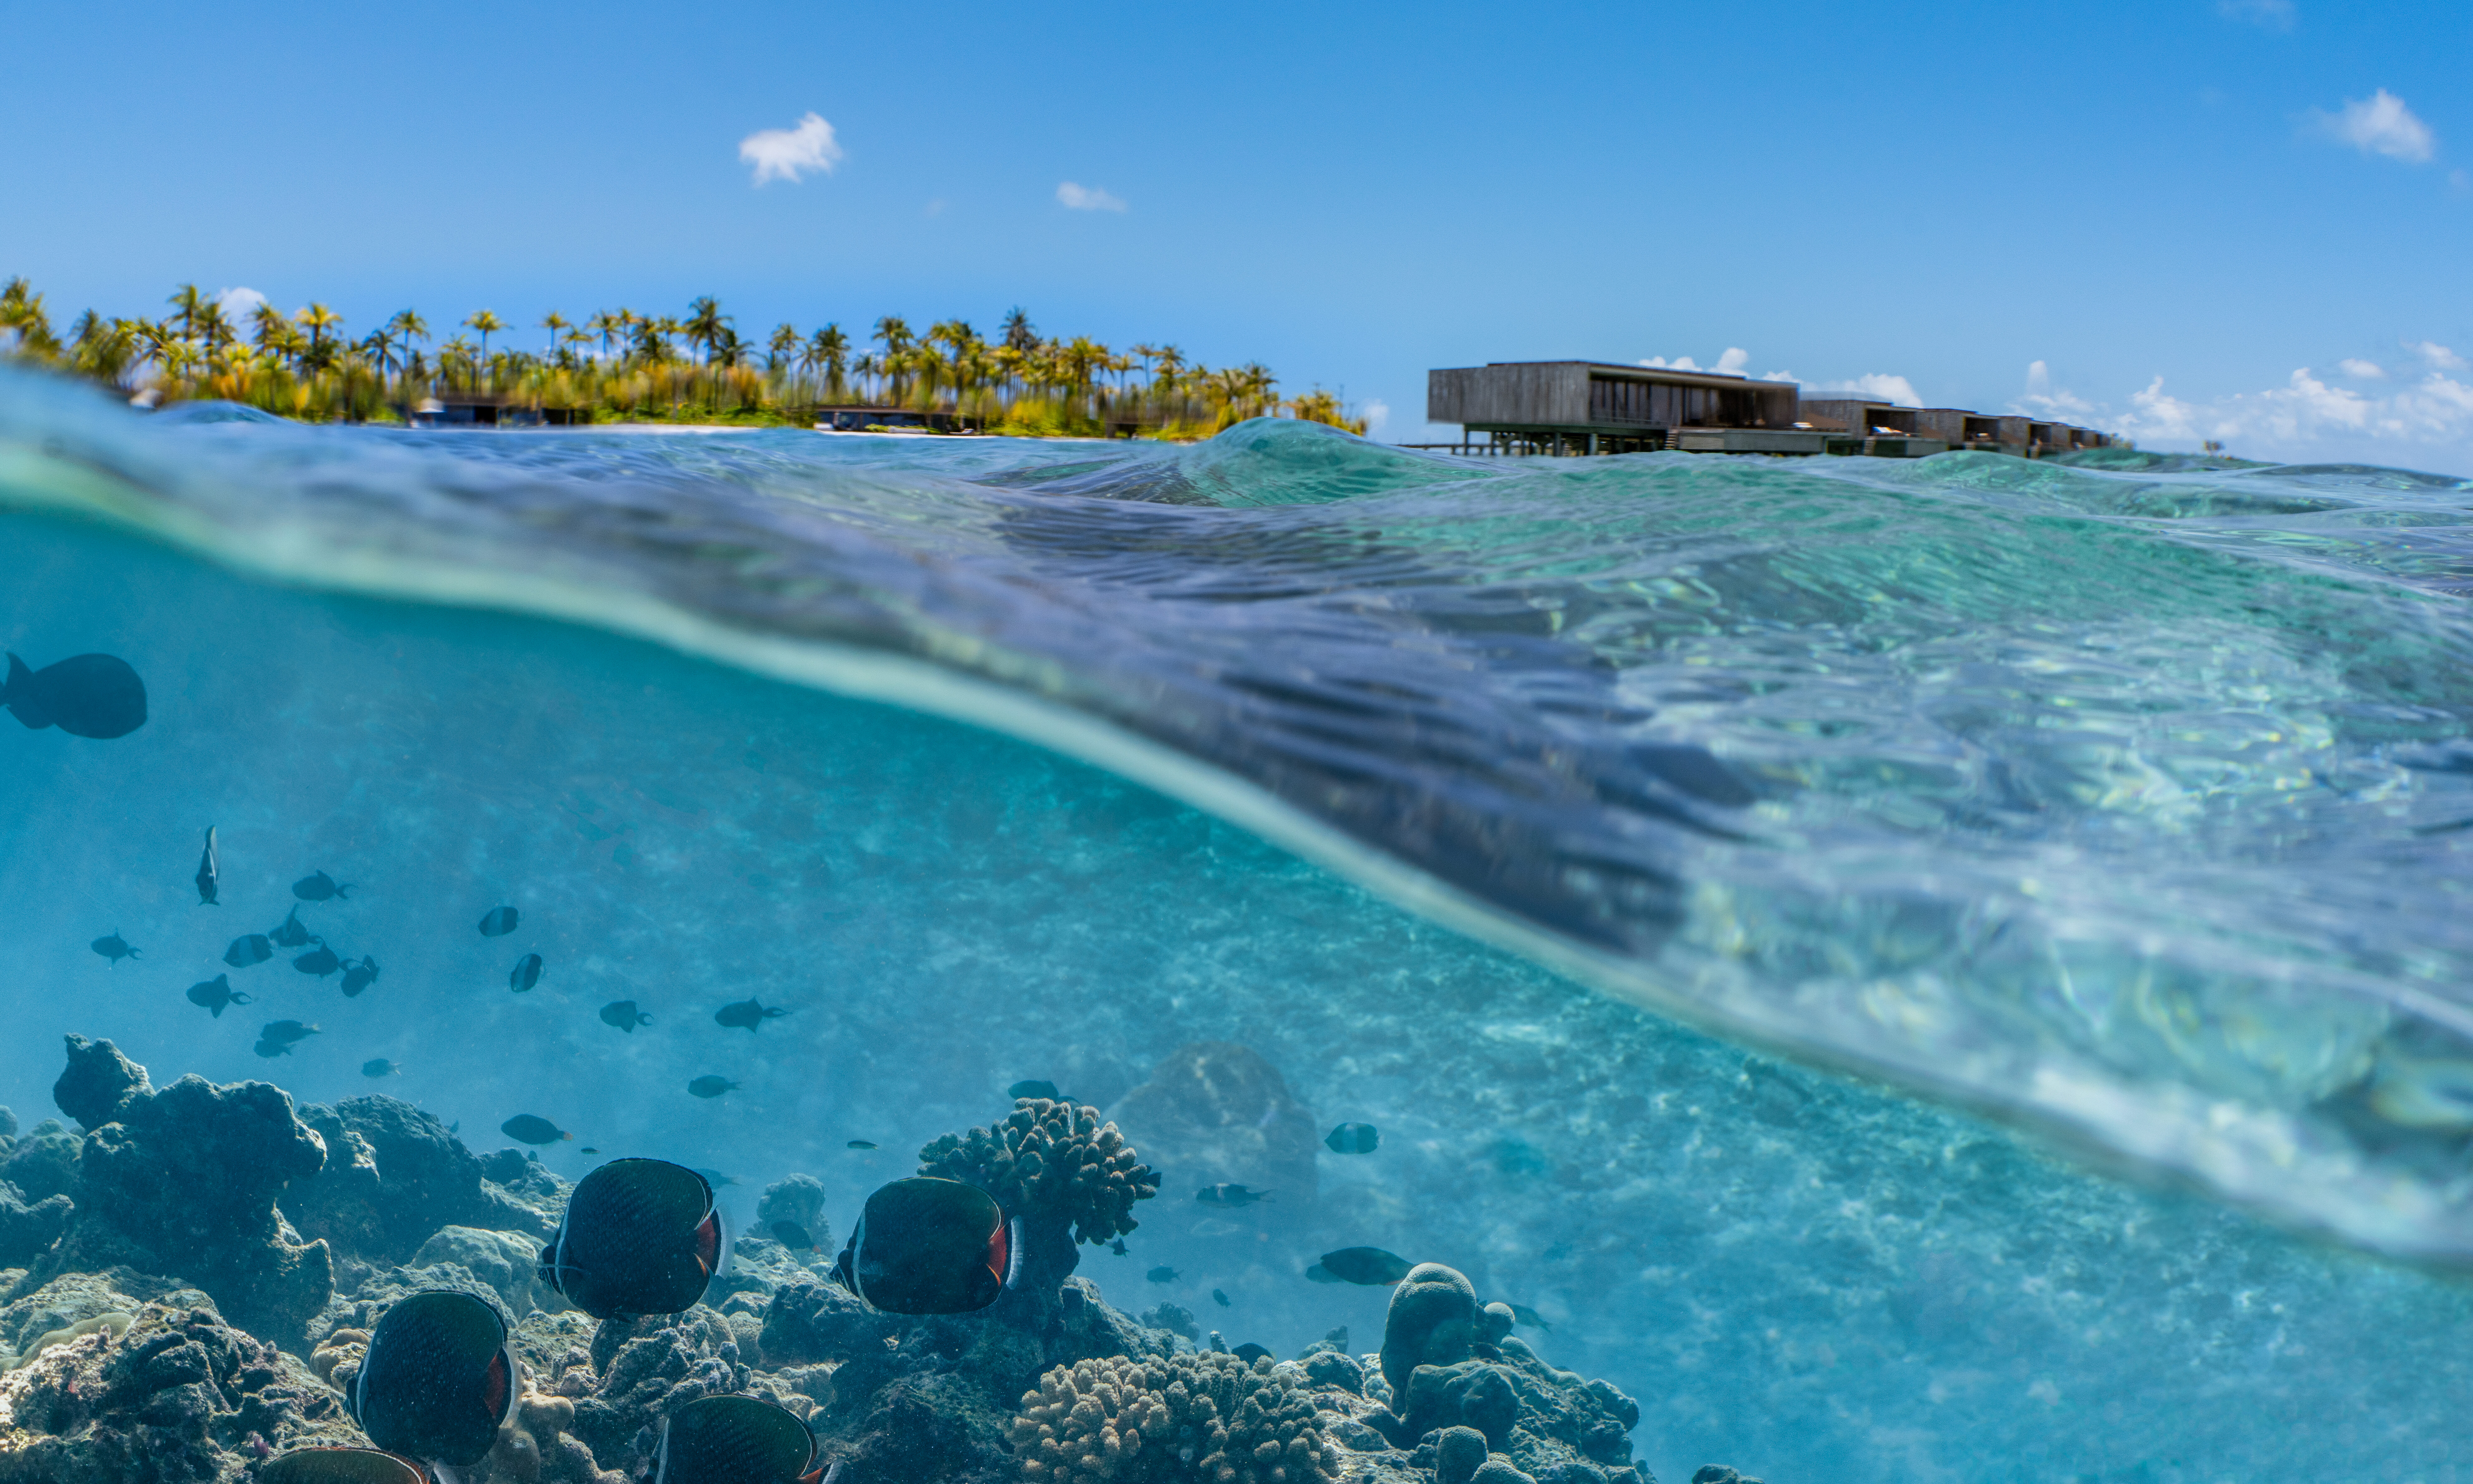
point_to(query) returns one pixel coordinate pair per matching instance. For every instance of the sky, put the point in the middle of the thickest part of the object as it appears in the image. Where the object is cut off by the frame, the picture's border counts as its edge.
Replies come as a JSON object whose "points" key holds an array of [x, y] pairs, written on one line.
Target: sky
{"points": [[2180, 220]]}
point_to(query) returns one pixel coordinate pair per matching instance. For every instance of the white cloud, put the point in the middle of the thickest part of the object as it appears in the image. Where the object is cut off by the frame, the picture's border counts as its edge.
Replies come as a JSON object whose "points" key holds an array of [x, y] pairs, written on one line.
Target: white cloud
{"points": [[2361, 371], [2306, 418], [1378, 415], [1873, 386], [1087, 198], [1679, 363], [2274, 14], [2440, 357], [1732, 362], [238, 305], [781, 154], [2042, 399], [2380, 125]]}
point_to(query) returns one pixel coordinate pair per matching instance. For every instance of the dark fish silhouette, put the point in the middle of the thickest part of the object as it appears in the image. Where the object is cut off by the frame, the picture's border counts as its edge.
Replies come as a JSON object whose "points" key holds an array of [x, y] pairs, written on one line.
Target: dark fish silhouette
{"points": [[858, 1143], [1162, 1274], [709, 1086], [94, 696], [526, 973], [587, 1149], [437, 1380], [745, 1014], [1232, 1195], [249, 949], [113, 947], [638, 1237], [735, 1440], [379, 1066], [210, 877], [791, 1234], [1218, 1298], [359, 976], [213, 995], [1524, 1314], [928, 1246], [499, 922], [1318, 1274], [1249, 1352], [339, 1465], [1352, 1138], [320, 961], [290, 933], [317, 886], [532, 1128], [287, 1032], [1033, 1088], [1370, 1266], [272, 1047], [623, 1013], [1118, 1248]]}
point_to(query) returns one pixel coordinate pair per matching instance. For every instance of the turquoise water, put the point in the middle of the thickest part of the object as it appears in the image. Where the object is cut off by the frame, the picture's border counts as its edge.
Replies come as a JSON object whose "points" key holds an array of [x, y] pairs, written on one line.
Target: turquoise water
{"points": [[2128, 806]]}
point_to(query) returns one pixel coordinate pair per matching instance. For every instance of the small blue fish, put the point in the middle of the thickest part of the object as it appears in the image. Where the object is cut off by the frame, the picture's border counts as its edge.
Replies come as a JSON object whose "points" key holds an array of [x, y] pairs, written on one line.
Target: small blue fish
{"points": [[709, 1086], [526, 973], [380, 1066], [499, 922], [113, 947]]}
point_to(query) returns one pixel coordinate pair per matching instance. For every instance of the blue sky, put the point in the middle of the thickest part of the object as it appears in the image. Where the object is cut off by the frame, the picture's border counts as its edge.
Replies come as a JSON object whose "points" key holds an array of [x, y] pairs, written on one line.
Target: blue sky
{"points": [[2179, 218]]}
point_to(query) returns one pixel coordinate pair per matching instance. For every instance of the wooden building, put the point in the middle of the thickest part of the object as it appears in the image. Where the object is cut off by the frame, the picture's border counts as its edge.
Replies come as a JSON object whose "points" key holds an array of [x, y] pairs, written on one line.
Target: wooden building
{"points": [[1593, 407], [894, 420]]}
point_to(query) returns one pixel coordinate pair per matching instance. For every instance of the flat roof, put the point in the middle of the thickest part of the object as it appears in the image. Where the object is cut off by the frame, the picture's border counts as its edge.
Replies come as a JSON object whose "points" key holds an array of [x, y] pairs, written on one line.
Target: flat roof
{"points": [[1635, 373]]}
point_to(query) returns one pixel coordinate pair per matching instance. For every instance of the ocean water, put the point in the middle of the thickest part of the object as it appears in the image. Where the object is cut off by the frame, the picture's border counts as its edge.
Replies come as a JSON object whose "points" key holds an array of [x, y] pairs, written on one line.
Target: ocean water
{"points": [[1940, 970]]}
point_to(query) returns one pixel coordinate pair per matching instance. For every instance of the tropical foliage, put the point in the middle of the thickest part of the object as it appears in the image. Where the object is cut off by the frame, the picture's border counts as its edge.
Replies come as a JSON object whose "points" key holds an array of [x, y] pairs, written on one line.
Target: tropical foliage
{"points": [[619, 365]]}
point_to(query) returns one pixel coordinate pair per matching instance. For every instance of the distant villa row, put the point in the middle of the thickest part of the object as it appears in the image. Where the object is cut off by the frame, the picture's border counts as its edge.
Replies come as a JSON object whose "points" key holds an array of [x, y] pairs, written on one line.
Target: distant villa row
{"points": [[1591, 407], [617, 365]]}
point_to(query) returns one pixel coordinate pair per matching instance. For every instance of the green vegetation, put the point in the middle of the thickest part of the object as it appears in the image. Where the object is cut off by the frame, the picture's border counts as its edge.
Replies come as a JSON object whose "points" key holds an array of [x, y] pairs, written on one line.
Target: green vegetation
{"points": [[619, 366]]}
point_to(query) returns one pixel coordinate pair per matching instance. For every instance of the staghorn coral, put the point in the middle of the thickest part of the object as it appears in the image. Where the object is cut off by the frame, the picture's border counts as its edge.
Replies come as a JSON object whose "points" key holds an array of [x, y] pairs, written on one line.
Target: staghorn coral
{"points": [[1050, 1163], [1199, 1416]]}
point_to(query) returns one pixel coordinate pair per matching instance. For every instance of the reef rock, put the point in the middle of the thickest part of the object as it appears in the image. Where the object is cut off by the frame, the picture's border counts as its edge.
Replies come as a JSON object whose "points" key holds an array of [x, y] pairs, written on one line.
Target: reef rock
{"points": [[504, 1260], [394, 1176], [650, 1368], [799, 1199], [1215, 1112], [1431, 1322], [183, 1183], [99, 1083], [178, 1394], [28, 1230], [44, 1165], [1547, 1424]]}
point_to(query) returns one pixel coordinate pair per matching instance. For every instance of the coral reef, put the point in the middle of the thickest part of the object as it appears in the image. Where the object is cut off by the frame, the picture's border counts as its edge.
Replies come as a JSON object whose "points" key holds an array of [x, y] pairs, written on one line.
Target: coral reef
{"points": [[1431, 1321], [178, 1394], [799, 1198], [28, 1230], [99, 1083], [44, 1163], [183, 1182], [1173, 1418], [652, 1366], [394, 1176], [1056, 1167], [1215, 1112]]}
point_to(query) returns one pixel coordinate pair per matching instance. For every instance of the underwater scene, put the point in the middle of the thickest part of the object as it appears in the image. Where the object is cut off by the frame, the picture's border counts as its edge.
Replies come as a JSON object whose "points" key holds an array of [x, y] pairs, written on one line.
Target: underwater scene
{"points": [[589, 956]]}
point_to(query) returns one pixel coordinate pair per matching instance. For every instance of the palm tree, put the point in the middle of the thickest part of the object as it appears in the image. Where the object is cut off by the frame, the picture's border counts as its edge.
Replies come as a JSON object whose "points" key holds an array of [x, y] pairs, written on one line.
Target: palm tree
{"points": [[318, 319], [604, 324], [1019, 335], [482, 323], [381, 352], [704, 325], [553, 322], [781, 348], [408, 326], [828, 352], [274, 326], [188, 301], [214, 327]]}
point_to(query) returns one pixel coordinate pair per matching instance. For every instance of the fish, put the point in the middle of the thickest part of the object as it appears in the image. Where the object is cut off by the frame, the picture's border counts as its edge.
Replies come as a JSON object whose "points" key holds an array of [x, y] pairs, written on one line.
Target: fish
{"points": [[929, 1246], [213, 995], [526, 973], [1220, 1298], [638, 1237], [791, 1234], [317, 886], [210, 877], [1232, 1195], [97, 697], [1118, 1248], [858, 1143], [380, 1066], [291, 932], [359, 976], [272, 1047], [1318, 1274], [499, 922], [339, 1465], [1352, 1138], [1370, 1266], [113, 947], [438, 1379], [1034, 1088], [734, 1439], [709, 1086], [588, 1149], [533, 1129], [249, 949], [1249, 1351], [320, 961], [1162, 1274], [287, 1031], [623, 1013], [745, 1014], [1524, 1314]]}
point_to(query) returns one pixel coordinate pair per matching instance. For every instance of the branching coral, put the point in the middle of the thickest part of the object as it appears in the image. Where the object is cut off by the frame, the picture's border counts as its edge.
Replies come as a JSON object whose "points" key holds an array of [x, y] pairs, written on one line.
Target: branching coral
{"points": [[1052, 1161], [1201, 1417]]}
